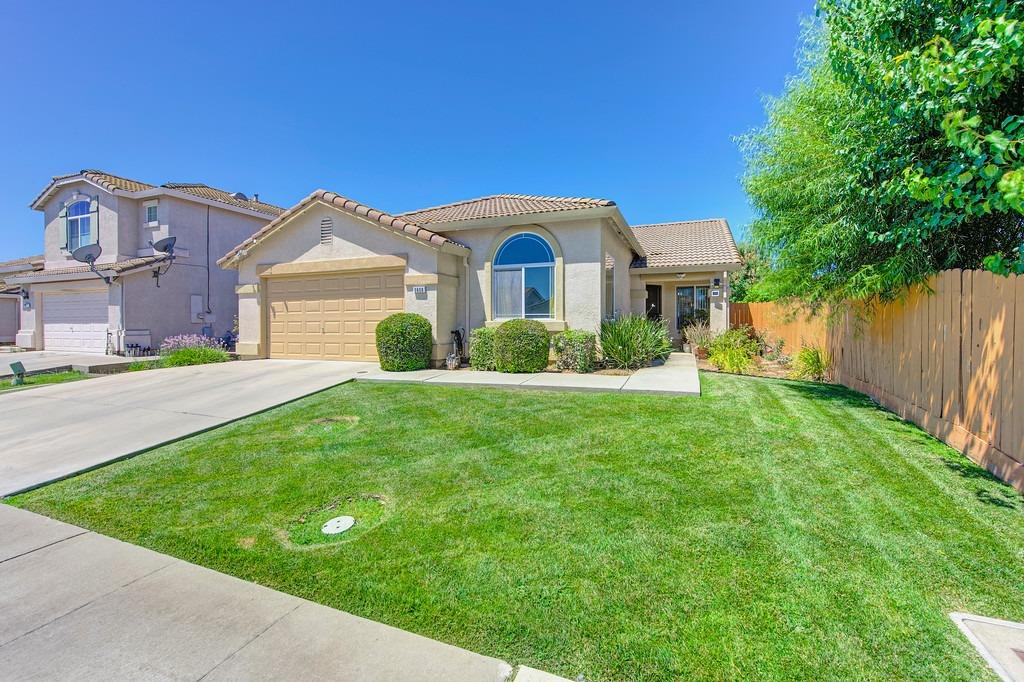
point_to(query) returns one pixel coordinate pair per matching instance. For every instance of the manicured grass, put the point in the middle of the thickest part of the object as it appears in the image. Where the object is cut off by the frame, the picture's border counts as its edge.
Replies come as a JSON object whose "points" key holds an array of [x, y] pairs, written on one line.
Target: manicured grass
{"points": [[767, 530], [42, 380]]}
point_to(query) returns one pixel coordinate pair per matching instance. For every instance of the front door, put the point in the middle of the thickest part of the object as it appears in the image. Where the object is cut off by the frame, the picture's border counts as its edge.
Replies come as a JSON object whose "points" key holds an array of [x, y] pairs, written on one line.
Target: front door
{"points": [[654, 301]]}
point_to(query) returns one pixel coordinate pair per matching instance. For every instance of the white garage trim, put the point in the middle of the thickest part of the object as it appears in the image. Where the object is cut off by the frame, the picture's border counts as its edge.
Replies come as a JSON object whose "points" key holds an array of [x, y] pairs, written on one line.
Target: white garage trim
{"points": [[75, 322]]}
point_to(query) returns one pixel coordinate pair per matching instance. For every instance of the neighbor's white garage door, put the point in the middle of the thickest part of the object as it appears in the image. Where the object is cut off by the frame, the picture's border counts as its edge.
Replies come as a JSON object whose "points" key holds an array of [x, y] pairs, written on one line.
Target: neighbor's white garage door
{"points": [[75, 322]]}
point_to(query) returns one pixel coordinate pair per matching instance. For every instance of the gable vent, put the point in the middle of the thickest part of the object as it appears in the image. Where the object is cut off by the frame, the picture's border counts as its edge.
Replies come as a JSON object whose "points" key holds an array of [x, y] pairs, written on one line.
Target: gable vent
{"points": [[326, 230]]}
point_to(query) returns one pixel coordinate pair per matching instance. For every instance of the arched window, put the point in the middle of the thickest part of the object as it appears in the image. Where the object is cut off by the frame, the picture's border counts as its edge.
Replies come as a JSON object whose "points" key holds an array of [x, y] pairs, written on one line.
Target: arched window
{"points": [[523, 278], [79, 225]]}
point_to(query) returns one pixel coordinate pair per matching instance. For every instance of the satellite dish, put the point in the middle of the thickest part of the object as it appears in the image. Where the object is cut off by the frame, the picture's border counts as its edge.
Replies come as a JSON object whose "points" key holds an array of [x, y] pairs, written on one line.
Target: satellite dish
{"points": [[240, 196], [87, 254], [165, 245]]}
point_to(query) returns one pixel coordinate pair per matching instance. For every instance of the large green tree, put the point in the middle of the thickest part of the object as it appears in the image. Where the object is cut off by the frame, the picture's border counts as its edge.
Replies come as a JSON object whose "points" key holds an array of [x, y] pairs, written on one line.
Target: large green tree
{"points": [[896, 152]]}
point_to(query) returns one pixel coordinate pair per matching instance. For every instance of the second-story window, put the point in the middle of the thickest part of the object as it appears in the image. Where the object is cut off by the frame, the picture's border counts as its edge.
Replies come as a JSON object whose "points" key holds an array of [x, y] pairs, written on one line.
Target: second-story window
{"points": [[81, 231], [151, 215]]}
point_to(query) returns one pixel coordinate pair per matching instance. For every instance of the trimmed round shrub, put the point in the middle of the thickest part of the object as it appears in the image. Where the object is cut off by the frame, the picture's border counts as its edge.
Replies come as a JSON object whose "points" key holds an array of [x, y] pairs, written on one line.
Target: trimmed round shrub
{"points": [[193, 355], [521, 346], [633, 341], [576, 350], [481, 348], [404, 342]]}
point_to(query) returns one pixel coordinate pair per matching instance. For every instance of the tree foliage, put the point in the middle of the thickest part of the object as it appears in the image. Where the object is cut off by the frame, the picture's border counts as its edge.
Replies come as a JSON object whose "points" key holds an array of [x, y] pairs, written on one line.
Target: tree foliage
{"points": [[896, 152]]}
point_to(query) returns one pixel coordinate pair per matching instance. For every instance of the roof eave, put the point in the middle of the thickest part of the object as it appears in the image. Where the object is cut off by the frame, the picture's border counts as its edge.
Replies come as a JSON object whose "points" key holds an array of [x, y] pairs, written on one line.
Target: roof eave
{"points": [[44, 196]]}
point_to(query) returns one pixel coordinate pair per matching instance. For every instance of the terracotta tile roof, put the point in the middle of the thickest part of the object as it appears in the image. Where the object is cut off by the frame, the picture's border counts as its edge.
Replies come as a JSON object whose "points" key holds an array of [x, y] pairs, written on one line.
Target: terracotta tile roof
{"points": [[9, 288], [350, 206], [686, 243], [500, 205], [214, 194], [27, 260], [113, 182], [118, 267]]}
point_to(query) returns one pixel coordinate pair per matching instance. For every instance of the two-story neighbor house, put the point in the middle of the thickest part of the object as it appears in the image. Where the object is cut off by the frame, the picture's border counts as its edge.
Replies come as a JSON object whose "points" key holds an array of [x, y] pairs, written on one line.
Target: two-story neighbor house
{"points": [[136, 295]]}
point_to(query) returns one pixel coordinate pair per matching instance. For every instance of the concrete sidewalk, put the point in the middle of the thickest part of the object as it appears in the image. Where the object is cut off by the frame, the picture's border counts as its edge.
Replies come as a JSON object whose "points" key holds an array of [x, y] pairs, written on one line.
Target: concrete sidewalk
{"points": [[677, 376], [78, 605]]}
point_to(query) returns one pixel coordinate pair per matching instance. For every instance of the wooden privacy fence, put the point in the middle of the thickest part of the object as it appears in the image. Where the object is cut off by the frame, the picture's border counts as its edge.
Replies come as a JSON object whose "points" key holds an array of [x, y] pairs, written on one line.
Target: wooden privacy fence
{"points": [[776, 323], [950, 360]]}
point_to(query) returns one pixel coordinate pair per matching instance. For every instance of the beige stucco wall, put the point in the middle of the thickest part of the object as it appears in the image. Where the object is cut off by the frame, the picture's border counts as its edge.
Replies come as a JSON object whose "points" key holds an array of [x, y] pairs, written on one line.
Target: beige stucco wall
{"points": [[613, 245], [10, 308], [580, 244], [298, 241]]}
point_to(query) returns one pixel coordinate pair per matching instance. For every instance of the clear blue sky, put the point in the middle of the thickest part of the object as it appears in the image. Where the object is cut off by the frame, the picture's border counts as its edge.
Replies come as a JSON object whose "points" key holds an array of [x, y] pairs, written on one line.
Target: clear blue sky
{"points": [[398, 105]]}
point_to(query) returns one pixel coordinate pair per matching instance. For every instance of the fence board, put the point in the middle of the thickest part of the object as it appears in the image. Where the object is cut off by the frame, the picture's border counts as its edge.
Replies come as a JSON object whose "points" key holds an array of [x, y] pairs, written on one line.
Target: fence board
{"points": [[949, 357]]}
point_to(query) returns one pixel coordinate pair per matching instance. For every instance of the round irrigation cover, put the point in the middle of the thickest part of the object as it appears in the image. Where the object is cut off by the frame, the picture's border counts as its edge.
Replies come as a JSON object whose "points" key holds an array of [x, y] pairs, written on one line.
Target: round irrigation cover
{"points": [[339, 524]]}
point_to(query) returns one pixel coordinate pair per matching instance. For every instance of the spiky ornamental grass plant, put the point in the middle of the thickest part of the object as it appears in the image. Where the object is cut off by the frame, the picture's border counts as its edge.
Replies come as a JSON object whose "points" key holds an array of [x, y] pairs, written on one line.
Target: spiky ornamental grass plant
{"points": [[633, 341]]}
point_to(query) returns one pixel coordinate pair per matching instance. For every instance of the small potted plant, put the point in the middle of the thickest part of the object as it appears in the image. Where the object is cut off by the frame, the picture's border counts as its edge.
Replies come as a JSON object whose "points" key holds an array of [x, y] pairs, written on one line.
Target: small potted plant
{"points": [[698, 336]]}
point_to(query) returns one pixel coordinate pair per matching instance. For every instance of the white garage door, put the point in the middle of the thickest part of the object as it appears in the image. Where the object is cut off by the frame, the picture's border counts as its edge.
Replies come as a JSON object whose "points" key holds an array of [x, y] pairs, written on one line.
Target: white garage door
{"points": [[75, 322]]}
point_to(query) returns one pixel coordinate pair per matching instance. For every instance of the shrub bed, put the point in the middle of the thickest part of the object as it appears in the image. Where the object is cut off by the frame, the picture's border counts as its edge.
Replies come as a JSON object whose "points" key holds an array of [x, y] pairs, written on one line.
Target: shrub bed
{"points": [[404, 342], [576, 350], [481, 348], [734, 350], [633, 341], [195, 355], [521, 346]]}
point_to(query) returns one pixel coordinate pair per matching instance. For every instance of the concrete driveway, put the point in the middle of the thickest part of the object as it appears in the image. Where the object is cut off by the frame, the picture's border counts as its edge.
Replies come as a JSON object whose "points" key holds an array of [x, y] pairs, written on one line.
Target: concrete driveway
{"points": [[52, 432]]}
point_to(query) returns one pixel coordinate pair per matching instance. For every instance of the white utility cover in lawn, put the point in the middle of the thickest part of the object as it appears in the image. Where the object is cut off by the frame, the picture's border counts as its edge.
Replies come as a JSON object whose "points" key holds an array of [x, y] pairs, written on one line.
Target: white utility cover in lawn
{"points": [[75, 323], [339, 524], [51, 432]]}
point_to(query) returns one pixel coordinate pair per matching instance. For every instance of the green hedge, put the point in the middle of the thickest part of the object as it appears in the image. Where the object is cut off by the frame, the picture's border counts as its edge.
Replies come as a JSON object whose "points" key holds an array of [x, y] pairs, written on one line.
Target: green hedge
{"points": [[576, 350], [521, 346], [481, 348], [404, 342]]}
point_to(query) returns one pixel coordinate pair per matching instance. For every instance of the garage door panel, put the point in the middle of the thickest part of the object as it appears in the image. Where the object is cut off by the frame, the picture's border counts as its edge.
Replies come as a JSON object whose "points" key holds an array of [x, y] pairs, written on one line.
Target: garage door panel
{"points": [[331, 316], [75, 322]]}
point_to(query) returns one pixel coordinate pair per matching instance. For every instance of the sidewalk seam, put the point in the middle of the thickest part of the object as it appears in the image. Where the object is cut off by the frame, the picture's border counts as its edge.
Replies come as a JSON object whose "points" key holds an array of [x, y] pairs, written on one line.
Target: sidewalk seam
{"points": [[49, 544], [251, 640]]}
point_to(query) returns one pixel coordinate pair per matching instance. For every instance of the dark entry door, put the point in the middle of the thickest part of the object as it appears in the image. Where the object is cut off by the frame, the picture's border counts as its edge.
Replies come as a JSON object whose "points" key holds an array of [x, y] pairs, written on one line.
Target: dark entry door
{"points": [[654, 301]]}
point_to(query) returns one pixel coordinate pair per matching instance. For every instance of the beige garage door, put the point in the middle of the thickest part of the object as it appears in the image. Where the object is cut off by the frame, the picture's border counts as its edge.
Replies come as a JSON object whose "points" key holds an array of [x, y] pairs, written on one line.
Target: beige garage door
{"points": [[332, 316]]}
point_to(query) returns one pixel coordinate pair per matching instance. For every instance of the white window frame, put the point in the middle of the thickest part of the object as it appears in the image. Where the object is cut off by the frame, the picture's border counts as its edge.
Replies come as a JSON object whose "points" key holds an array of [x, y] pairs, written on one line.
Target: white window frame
{"points": [[154, 204], [75, 223], [523, 267]]}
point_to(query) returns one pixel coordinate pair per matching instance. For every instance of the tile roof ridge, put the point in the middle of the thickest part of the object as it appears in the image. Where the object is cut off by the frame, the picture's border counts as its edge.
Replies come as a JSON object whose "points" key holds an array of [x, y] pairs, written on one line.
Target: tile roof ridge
{"points": [[680, 222]]}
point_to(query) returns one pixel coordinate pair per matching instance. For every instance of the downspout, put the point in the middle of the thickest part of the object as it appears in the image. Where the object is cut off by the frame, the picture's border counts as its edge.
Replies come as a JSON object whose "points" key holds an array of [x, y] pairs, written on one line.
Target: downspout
{"points": [[209, 307], [466, 260]]}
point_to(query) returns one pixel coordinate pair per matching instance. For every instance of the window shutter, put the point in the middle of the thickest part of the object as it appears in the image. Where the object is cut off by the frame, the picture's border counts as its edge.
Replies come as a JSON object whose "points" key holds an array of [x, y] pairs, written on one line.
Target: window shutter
{"points": [[94, 220], [326, 230], [63, 216]]}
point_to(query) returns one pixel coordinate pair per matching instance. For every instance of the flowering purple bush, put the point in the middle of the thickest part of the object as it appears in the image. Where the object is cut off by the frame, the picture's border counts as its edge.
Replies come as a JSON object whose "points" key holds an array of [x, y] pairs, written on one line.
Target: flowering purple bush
{"points": [[173, 343]]}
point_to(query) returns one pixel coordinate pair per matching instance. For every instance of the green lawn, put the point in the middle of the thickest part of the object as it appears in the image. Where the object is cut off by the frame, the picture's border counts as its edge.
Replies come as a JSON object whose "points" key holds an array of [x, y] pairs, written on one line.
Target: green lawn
{"points": [[42, 380], [768, 530]]}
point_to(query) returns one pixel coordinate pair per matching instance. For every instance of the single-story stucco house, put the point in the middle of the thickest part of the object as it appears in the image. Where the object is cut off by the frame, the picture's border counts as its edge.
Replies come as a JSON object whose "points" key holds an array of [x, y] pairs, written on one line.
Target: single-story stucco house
{"points": [[316, 280], [11, 295], [137, 297]]}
